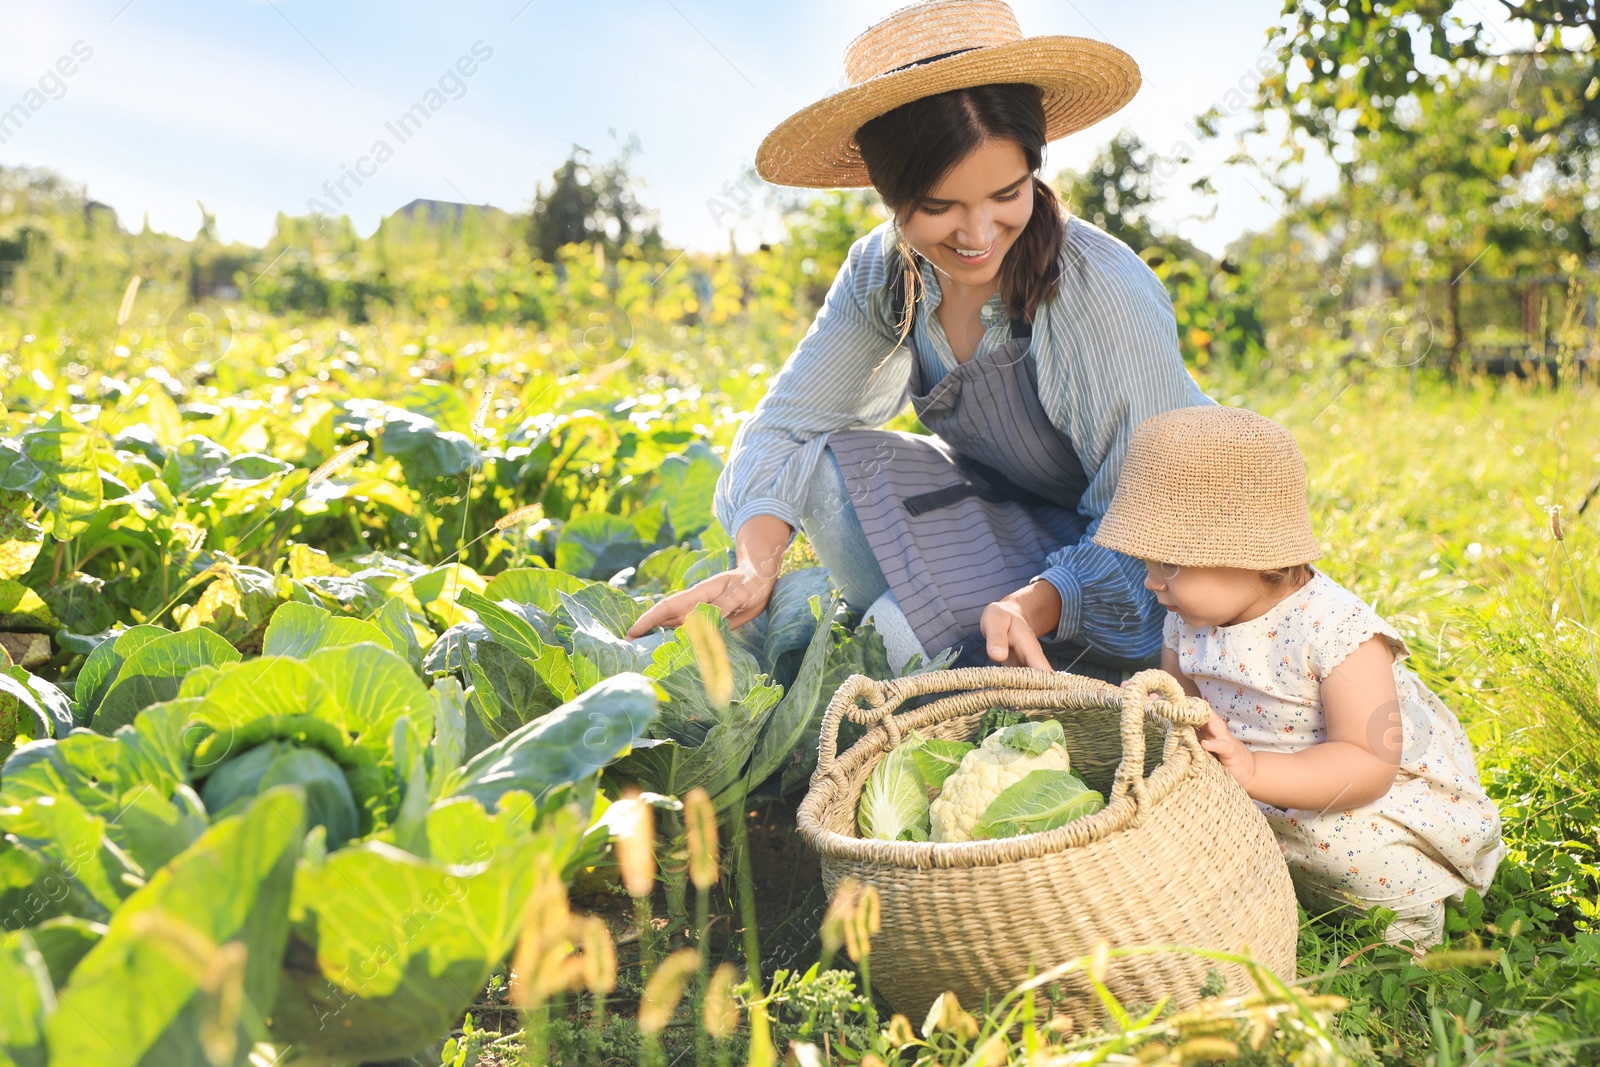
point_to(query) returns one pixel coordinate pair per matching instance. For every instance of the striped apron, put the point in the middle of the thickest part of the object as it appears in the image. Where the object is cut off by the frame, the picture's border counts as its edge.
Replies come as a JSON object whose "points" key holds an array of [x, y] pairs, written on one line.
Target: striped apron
{"points": [[960, 519]]}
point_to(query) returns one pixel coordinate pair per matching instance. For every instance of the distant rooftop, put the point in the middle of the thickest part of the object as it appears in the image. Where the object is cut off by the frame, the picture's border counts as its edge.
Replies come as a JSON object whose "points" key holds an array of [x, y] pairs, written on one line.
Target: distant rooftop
{"points": [[444, 210]]}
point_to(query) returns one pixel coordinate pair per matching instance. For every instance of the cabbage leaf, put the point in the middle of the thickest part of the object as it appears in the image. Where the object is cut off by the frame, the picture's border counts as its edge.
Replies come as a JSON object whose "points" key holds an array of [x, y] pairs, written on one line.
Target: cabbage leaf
{"points": [[1041, 800], [936, 758], [895, 799]]}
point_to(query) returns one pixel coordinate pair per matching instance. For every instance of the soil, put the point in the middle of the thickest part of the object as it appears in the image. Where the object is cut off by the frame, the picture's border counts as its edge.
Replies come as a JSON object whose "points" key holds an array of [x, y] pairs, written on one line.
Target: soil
{"points": [[789, 899]]}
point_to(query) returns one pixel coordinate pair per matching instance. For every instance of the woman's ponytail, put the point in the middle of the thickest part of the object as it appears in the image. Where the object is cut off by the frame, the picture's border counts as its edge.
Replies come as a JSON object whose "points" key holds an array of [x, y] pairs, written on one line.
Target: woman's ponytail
{"points": [[1032, 267]]}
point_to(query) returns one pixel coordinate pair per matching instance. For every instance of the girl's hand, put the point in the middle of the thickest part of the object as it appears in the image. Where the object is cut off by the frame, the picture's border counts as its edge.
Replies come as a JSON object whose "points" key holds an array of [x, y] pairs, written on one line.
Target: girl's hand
{"points": [[741, 593], [1238, 760]]}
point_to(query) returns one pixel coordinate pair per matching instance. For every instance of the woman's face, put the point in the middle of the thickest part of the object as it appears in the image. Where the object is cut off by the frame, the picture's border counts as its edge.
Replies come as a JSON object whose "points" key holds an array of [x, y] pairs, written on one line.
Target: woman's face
{"points": [[974, 215]]}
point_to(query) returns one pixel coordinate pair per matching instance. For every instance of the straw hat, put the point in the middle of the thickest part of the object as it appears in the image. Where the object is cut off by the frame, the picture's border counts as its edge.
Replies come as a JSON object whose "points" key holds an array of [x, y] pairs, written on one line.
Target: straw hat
{"points": [[1212, 487], [933, 47]]}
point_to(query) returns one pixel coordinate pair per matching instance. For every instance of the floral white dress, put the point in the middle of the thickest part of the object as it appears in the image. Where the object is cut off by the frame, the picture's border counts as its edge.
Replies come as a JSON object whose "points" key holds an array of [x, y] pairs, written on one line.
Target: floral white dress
{"points": [[1430, 837]]}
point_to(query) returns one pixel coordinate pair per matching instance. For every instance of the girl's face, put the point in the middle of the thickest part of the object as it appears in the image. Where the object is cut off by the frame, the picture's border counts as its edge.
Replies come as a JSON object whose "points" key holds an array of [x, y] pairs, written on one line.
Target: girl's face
{"points": [[1211, 596], [974, 215]]}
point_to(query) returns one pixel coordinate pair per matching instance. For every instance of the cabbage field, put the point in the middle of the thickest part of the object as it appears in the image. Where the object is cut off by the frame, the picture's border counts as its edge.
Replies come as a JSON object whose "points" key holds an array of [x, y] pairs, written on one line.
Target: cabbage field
{"points": [[324, 743]]}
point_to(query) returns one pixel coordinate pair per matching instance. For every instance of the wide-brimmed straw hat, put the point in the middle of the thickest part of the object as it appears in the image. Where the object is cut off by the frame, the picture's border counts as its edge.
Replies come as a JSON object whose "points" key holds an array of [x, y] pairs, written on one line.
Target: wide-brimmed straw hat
{"points": [[933, 47], [1212, 487]]}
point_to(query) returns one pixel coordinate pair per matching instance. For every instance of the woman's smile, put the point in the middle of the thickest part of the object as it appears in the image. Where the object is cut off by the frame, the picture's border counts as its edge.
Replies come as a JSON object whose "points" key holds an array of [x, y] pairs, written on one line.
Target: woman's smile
{"points": [[968, 257], [972, 219]]}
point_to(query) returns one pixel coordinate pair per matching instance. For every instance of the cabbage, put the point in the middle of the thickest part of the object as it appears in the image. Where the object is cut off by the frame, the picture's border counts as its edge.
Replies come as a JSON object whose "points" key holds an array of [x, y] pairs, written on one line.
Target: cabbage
{"points": [[1039, 801], [997, 718], [329, 803], [1032, 738], [363, 941], [894, 804], [936, 759]]}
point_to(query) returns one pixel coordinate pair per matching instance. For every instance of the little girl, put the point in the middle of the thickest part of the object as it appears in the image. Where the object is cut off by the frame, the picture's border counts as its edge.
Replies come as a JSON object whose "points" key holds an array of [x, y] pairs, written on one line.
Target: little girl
{"points": [[1366, 778]]}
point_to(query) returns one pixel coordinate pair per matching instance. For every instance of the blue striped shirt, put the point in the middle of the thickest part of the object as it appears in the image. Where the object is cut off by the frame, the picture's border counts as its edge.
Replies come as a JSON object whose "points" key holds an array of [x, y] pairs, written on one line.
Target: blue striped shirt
{"points": [[1106, 349]]}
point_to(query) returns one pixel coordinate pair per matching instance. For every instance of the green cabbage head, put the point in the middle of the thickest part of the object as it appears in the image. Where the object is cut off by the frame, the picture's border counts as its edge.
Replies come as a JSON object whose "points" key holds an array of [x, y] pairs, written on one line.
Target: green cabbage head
{"points": [[894, 804], [329, 803]]}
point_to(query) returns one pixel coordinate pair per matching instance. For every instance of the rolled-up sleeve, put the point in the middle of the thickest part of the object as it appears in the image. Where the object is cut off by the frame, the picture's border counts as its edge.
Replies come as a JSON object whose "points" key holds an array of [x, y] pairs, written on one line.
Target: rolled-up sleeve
{"points": [[832, 381], [1109, 360]]}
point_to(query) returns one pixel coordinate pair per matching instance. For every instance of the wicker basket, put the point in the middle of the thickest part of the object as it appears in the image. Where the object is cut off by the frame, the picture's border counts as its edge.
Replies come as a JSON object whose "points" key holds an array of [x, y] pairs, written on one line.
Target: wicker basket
{"points": [[1179, 855]]}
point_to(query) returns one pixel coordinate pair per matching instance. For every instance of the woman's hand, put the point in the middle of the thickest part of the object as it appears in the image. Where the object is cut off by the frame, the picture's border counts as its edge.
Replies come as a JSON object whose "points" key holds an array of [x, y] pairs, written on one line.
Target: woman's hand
{"points": [[741, 594], [1232, 753], [1011, 627]]}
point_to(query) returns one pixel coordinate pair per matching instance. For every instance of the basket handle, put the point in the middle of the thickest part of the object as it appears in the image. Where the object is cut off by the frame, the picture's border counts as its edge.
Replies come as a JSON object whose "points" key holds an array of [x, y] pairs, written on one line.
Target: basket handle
{"points": [[1152, 692], [844, 703], [884, 697]]}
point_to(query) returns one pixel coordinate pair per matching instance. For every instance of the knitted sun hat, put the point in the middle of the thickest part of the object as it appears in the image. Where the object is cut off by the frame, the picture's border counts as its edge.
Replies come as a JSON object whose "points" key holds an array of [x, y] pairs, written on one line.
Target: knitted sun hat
{"points": [[933, 47], [1212, 487]]}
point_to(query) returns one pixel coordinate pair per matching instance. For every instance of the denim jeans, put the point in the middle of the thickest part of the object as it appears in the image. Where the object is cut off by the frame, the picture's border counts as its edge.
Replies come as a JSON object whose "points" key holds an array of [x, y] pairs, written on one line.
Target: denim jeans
{"points": [[831, 525]]}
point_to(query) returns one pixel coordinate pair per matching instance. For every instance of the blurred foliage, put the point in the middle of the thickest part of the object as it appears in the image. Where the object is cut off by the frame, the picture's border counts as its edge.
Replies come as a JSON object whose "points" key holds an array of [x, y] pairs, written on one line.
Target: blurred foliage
{"points": [[1464, 225], [1216, 313], [1351, 67], [589, 202]]}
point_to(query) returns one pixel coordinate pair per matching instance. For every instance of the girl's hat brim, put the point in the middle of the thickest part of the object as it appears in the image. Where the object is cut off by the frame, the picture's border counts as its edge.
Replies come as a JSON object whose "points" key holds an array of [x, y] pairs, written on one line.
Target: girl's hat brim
{"points": [[1083, 81]]}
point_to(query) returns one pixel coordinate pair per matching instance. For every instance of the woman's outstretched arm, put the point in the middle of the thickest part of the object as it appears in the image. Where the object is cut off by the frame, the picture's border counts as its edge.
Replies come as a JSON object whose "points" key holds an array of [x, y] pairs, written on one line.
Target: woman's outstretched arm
{"points": [[1108, 358], [827, 384], [740, 592]]}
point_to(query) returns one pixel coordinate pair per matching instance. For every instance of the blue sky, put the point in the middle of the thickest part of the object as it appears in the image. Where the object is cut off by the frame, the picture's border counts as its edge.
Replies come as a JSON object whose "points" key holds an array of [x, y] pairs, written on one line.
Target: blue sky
{"points": [[252, 106]]}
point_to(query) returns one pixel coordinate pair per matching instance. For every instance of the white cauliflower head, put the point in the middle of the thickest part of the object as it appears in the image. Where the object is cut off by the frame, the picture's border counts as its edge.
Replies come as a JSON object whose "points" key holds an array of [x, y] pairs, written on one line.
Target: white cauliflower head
{"points": [[1005, 757]]}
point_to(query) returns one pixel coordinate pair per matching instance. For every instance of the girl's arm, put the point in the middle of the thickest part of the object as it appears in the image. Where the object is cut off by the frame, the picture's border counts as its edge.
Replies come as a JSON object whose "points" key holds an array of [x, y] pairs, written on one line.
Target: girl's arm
{"points": [[1354, 766], [1169, 663]]}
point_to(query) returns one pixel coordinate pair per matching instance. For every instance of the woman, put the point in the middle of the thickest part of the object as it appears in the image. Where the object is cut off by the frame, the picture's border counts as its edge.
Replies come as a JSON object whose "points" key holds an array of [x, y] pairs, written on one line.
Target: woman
{"points": [[1036, 344]]}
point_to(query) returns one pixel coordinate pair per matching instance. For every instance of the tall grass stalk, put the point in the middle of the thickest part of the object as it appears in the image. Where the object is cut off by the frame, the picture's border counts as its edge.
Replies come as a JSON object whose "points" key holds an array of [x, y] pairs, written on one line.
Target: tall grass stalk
{"points": [[661, 996], [1559, 533], [700, 832], [720, 1014], [635, 847], [1539, 673], [762, 1053]]}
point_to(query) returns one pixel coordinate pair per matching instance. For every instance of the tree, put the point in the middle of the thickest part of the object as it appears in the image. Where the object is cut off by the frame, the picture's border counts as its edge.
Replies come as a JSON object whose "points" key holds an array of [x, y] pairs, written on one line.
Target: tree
{"points": [[1118, 193], [1214, 307], [590, 202], [1355, 67], [1436, 201], [819, 228]]}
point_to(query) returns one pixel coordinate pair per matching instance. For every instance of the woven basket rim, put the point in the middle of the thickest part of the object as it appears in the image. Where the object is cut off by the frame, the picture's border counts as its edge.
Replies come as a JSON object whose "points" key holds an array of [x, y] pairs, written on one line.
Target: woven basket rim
{"points": [[1051, 694]]}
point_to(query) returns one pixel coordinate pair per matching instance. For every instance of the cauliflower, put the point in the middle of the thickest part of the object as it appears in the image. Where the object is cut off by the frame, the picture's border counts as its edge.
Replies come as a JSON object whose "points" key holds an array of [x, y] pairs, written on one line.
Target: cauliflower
{"points": [[1005, 757]]}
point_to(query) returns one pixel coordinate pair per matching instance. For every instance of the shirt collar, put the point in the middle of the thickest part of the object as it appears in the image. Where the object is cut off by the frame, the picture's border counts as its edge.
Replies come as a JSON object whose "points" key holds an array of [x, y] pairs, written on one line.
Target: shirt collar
{"points": [[992, 312]]}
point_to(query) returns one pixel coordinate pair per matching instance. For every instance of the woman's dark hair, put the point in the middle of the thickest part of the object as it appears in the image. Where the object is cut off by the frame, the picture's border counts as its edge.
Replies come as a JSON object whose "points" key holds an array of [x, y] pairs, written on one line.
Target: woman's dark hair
{"points": [[908, 150]]}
